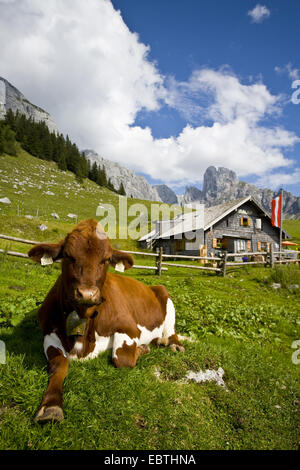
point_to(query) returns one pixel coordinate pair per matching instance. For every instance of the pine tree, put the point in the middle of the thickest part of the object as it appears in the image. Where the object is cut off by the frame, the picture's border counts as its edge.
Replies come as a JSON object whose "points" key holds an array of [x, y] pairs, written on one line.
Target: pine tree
{"points": [[122, 191], [47, 147], [8, 141], [62, 162], [1, 139], [110, 185], [10, 119], [94, 172]]}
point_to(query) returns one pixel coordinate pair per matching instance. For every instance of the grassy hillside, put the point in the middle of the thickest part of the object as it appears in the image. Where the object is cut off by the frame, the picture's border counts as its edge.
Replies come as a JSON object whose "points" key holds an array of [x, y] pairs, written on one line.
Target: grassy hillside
{"points": [[38, 188], [293, 228]]}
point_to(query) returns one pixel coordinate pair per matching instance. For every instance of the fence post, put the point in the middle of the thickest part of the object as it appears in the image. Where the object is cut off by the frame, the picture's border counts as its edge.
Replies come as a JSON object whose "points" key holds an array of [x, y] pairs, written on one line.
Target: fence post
{"points": [[272, 255], [224, 264], [159, 261]]}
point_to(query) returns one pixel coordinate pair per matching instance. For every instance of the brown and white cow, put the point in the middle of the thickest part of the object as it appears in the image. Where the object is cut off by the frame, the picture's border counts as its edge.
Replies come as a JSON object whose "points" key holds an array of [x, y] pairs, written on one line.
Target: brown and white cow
{"points": [[112, 311]]}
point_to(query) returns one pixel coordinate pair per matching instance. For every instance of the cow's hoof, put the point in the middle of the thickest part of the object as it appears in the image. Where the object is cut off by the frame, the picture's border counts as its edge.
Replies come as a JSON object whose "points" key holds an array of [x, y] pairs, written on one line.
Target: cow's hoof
{"points": [[144, 349], [176, 347], [51, 413]]}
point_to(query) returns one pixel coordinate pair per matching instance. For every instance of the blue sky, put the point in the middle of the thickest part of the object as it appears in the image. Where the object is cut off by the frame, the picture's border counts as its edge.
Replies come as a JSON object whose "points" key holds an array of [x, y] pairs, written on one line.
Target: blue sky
{"points": [[165, 87], [185, 36]]}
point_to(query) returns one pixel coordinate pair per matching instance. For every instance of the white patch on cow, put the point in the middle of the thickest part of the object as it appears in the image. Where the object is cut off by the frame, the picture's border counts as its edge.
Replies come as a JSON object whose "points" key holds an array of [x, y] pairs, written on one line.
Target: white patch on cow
{"points": [[103, 343], [78, 346], [100, 232], [120, 267], [148, 335], [46, 259], [119, 339], [53, 340], [164, 331], [169, 323]]}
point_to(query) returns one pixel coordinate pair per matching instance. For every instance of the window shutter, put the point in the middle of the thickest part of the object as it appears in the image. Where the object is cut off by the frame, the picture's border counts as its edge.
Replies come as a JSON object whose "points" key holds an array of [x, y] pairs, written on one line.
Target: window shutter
{"points": [[258, 246], [249, 222], [241, 221], [249, 245], [214, 243], [258, 224], [268, 247]]}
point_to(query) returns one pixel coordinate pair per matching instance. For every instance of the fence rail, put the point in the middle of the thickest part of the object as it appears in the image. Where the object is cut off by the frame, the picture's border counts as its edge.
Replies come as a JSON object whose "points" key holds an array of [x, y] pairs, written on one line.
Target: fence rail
{"points": [[218, 264]]}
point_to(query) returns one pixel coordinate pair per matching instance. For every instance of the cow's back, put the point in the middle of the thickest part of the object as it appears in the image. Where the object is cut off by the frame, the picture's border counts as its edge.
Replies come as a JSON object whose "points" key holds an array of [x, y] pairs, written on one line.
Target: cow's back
{"points": [[129, 300]]}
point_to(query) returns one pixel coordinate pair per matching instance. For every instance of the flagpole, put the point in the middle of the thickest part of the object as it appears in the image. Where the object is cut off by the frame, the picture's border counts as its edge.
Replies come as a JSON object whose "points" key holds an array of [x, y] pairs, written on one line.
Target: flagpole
{"points": [[280, 236]]}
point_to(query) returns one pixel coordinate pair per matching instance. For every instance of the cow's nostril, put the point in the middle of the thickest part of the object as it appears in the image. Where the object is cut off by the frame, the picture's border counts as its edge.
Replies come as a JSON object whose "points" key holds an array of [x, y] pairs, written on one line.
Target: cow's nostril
{"points": [[79, 294]]}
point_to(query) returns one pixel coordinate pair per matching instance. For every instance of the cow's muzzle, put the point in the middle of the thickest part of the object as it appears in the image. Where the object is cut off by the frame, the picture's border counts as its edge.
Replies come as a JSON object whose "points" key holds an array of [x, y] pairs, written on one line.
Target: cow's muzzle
{"points": [[87, 295]]}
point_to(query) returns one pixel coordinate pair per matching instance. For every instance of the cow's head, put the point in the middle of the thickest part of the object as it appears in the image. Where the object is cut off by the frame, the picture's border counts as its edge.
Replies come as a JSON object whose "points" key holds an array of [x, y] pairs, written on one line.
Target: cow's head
{"points": [[86, 254]]}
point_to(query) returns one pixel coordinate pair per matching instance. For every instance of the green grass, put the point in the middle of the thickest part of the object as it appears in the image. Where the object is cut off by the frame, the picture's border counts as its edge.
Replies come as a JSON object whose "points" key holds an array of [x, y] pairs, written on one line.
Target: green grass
{"points": [[248, 333], [238, 323]]}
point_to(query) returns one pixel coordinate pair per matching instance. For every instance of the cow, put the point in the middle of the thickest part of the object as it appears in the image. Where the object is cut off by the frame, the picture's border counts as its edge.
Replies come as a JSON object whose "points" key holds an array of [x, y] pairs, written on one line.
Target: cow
{"points": [[90, 310]]}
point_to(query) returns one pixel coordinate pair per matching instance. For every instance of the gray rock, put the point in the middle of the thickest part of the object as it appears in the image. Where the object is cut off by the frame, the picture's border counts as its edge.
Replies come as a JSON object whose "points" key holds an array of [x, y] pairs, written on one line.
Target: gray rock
{"points": [[5, 200], [12, 98], [166, 194], [135, 186], [294, 286], [43, 227], [276, 285]]}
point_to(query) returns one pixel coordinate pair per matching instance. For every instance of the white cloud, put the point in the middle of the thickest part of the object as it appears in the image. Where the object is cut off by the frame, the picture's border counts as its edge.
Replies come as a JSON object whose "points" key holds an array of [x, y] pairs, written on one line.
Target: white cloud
{"points": [[279, 179], [292, 72], [259, 13], [79, 61]]}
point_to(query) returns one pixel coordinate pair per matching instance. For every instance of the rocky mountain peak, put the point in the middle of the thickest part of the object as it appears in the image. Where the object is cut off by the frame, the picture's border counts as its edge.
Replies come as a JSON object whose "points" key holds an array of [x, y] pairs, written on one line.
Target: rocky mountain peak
{"points": [[166, 194], [12, 98], [217, 181], [222, 185]]}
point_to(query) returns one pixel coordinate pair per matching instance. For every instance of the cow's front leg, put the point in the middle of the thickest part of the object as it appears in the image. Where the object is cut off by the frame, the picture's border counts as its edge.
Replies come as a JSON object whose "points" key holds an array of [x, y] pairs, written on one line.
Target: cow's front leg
{"points": [[126, 351], [51, 406]]}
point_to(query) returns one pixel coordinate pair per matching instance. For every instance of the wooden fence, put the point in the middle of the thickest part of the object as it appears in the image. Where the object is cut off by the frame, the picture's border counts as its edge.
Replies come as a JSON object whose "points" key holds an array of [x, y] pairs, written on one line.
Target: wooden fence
{"points": [[218, 264]]}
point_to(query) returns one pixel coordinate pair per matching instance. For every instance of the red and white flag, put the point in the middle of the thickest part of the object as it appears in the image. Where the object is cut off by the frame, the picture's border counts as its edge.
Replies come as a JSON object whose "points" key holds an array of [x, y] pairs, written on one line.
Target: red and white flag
{"points": [[276, 211]]}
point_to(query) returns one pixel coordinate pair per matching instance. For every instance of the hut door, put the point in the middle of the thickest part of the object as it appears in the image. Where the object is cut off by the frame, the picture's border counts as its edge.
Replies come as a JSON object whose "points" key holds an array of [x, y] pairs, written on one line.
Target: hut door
{"points": [[179, 245]]}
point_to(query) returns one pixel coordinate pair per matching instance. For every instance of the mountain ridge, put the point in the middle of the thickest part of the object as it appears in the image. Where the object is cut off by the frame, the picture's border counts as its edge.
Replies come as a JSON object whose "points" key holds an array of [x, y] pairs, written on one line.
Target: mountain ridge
{"points": [[221, 185], [136, 186]]}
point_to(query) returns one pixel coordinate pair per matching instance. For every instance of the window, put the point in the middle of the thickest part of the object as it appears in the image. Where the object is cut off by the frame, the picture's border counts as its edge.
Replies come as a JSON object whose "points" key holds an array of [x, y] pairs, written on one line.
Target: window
{"points": [[240, 245], [217, 243], [245, 221], [263, 246]]}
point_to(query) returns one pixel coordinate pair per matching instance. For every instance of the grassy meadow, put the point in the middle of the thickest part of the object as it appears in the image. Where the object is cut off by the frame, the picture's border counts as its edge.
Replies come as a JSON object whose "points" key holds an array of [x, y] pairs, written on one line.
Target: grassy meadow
{"points": [[239, 323]]}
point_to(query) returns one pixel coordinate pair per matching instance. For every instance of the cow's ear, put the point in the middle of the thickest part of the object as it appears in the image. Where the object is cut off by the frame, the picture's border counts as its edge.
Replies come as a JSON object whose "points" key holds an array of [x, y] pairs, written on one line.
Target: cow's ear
{"points": [[121, 260], [46, 253]]}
